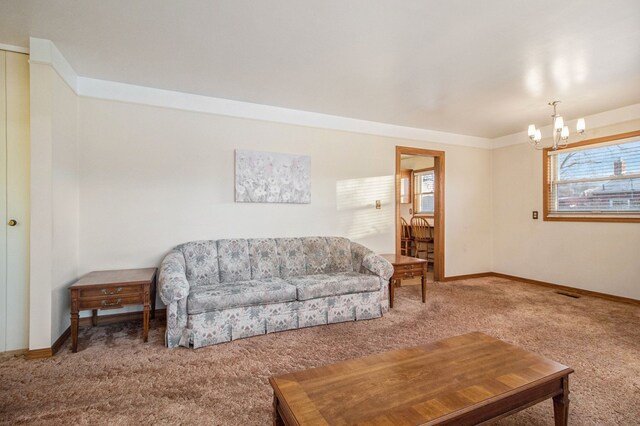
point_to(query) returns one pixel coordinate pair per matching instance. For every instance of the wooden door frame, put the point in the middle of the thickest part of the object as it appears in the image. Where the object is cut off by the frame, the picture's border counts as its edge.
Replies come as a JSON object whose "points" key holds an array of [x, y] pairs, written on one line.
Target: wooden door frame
{"points": [[438, 198]]}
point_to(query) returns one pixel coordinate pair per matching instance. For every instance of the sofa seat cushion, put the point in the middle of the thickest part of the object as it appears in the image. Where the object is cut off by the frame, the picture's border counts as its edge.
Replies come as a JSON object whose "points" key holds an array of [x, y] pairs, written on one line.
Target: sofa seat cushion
{"points": [[322, 285], [240, 294]]}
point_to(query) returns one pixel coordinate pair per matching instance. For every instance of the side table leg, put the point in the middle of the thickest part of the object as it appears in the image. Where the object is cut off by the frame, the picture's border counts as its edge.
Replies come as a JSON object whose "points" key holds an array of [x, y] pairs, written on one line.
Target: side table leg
{"points": [[561, 404], [147, 308], [146, 323], [94, 317], [153, 296], [74, 319], [391, 291], [74, 332]]}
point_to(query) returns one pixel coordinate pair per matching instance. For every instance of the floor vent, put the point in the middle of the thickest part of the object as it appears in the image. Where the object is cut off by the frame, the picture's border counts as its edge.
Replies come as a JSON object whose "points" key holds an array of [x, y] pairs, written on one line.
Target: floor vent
{"points": [[572, 295]]}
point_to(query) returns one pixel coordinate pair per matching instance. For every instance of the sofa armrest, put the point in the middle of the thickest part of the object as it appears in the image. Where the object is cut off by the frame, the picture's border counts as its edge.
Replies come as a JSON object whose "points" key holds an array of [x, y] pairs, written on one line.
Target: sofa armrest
{"points": [[365, 260], [378, 265], [172, 282]]}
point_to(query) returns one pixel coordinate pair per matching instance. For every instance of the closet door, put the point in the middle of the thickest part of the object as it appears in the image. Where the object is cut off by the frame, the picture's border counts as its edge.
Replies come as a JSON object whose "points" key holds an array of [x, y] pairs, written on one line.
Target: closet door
{"points": [[15, 188], [3, 201]]}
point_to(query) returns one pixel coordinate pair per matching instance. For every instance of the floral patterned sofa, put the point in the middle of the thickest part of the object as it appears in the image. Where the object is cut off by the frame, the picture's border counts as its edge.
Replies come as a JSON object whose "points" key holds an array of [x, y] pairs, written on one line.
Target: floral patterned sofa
{"points": [[223, 290]]}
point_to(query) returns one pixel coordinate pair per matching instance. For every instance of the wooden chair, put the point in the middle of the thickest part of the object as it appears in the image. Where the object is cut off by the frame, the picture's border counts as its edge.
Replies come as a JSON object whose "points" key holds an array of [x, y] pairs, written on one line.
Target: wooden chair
{"points": [[407, 243], [423, 237]]}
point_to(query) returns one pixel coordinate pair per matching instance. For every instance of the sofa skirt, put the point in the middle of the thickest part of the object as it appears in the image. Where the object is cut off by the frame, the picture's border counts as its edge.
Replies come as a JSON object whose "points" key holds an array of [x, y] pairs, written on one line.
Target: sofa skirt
{"points": [[210, 328]]}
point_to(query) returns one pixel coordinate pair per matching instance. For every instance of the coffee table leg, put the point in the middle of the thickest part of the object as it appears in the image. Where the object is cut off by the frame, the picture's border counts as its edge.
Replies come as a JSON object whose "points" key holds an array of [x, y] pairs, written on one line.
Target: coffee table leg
{"points": [[391, 292], [561, 404], [277, 420]]}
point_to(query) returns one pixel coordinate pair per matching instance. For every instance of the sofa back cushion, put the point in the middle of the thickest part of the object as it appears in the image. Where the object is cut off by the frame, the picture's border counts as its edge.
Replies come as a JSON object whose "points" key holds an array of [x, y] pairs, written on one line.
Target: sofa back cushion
{"points": [[316, 255], [201, 262], [233, 260], [339, 254], [263, 255], [291, 257]]}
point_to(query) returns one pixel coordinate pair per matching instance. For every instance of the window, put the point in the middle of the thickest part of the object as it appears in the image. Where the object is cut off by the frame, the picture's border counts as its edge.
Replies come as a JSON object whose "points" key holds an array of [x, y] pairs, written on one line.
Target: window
{"points": [[424, 186], [596, 180]]}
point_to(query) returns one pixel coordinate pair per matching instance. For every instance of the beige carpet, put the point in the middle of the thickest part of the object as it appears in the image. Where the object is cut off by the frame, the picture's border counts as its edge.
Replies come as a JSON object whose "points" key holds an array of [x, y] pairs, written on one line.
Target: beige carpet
{"points": [[116, 379]]}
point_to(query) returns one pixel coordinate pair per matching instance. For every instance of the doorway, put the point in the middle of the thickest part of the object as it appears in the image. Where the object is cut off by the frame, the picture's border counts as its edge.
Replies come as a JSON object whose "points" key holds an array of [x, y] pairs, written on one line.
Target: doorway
{"points": [[420, 194]]}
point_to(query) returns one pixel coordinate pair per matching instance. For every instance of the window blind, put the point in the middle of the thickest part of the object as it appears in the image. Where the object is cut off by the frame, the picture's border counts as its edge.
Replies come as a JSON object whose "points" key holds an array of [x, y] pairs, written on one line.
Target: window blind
{"points": [[599, 179]]}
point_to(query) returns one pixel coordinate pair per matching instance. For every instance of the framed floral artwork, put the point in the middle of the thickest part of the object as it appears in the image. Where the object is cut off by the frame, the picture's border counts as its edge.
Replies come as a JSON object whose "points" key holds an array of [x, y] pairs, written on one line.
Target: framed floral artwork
{"points": [[270, 177]]}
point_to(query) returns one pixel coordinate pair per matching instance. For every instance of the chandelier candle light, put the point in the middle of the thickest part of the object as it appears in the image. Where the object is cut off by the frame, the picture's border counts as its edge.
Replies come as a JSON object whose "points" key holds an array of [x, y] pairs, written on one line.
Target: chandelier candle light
{"points": [[560, 131]]}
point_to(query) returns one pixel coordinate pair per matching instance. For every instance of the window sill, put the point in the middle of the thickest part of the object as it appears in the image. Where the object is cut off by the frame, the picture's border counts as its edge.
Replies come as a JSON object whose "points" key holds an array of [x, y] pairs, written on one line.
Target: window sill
{"points": [[587, 218]]}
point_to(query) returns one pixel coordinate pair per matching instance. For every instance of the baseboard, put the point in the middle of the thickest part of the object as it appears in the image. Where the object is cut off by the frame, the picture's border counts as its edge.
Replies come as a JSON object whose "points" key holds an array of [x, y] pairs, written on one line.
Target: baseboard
{"points": [[575, 290], [467, 276], [60, 341], [102, 320], [39, 353], [570, 289], [49, 352]]}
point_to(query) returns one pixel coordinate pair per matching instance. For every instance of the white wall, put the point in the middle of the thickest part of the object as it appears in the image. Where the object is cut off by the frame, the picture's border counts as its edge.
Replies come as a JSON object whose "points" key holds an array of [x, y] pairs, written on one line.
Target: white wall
{"points": [[151, 178], [65, 188], [593, 256], [41, 245], [54, 204], [116, 184]]}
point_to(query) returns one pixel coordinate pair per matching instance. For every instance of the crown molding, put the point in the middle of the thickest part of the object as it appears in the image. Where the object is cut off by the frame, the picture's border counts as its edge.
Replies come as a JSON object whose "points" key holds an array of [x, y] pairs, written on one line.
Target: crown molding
{"points": [[102, 89], [594, 121], [12, 48], [45, 52]]}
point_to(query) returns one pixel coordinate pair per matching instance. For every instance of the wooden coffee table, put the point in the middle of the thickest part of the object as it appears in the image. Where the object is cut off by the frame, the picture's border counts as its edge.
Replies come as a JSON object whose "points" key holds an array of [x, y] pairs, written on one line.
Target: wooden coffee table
{"points": [[405, 267], [463, 380]]}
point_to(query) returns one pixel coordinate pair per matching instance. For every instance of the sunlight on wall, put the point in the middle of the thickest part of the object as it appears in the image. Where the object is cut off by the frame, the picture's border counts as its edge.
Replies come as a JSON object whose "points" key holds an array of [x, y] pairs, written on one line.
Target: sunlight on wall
{"points": [[356, 203]]}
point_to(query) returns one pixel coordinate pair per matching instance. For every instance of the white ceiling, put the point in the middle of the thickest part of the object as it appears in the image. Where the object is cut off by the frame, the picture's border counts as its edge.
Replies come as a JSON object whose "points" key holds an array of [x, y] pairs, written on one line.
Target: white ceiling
{"points": [[483, 68]]}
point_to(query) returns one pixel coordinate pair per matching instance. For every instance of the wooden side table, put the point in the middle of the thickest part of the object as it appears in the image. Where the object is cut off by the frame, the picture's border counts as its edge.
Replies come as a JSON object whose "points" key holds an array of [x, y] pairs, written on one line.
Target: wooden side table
{"points": [[113, 290], [405, 267]]}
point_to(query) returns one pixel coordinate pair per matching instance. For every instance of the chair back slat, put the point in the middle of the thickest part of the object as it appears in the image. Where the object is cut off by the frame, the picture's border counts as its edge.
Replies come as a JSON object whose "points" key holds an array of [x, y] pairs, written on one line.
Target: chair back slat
{"points": [[405, 229], [421, 229]]}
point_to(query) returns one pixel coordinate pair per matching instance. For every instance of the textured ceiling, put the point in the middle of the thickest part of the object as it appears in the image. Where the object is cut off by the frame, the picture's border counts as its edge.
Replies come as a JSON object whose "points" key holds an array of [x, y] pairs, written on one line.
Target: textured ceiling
{"points": [[483, 68]]}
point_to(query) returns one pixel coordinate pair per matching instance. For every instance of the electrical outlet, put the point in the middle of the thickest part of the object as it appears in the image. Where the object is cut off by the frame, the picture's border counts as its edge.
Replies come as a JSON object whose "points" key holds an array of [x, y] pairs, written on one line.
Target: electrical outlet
{"points": [[535, 214], [378, 204]]}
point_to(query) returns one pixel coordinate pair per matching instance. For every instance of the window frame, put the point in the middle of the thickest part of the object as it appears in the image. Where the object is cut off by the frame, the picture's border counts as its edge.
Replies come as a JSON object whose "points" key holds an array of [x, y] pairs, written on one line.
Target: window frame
{"points": [[579, 217], [416, 193]]}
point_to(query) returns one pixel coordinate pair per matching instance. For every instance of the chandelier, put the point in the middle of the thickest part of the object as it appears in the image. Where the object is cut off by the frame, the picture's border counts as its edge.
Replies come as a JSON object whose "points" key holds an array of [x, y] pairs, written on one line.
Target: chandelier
{"points": [[559, 130]]}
